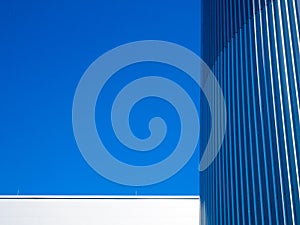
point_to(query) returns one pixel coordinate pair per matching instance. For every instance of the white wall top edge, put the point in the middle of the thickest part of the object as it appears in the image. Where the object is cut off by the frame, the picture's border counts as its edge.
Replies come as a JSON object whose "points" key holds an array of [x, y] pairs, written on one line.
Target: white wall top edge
{"points": [[98, 197]]}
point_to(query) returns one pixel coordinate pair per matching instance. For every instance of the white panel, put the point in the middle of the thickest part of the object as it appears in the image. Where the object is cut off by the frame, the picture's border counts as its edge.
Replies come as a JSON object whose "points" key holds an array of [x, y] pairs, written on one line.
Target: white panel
{"points": [[92, 211]]}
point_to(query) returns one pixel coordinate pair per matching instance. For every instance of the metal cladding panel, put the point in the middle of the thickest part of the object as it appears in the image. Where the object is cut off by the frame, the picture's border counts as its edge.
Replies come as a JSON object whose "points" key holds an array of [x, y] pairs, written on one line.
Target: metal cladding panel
{"points": [[255, 178]]}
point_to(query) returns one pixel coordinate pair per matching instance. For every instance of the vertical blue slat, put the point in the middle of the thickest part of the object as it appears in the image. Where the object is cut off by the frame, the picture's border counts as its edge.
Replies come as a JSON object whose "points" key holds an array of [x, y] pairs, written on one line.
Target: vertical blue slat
{"points": [[231, 106], [255, 98], [229, 213], [228, 146], [225, 146], [218, 206], [239, 110], [221, 156], [234, 129], [251, 112], [235, 113], [245, 106], [231, 136], [245, 109]]}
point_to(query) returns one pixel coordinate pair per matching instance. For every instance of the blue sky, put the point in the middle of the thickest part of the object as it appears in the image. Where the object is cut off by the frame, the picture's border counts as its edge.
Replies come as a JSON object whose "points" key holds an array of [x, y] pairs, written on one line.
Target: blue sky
{"points": [[45, 47]]}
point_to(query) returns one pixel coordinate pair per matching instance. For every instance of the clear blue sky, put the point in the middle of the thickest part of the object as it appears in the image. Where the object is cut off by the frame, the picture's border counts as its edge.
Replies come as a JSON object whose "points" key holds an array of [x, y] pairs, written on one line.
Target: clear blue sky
{"points": [[45, 47]]}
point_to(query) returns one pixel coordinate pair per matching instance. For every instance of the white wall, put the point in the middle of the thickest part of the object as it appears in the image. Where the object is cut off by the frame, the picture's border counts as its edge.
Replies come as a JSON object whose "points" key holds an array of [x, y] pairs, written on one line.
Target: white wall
{"points": [[92, 211]]}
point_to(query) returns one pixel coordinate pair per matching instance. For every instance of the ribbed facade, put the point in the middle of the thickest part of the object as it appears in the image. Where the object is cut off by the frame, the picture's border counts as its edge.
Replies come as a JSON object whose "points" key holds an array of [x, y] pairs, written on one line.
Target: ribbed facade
{"points": [[252, 46]]}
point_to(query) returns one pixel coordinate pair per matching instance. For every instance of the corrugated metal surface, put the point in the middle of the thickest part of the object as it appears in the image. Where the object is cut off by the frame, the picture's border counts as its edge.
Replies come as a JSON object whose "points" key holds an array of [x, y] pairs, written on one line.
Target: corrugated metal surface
{"points": [[253, 49]]}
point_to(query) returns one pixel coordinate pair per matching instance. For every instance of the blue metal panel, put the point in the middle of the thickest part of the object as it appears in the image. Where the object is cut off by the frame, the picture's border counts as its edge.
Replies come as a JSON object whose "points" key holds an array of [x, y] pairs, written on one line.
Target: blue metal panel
{"points": [[257, 65]]}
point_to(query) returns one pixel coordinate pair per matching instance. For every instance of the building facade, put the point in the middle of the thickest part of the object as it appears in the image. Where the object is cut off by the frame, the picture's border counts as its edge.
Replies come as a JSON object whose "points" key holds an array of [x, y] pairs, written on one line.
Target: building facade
{"points": [[252, 46]]}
